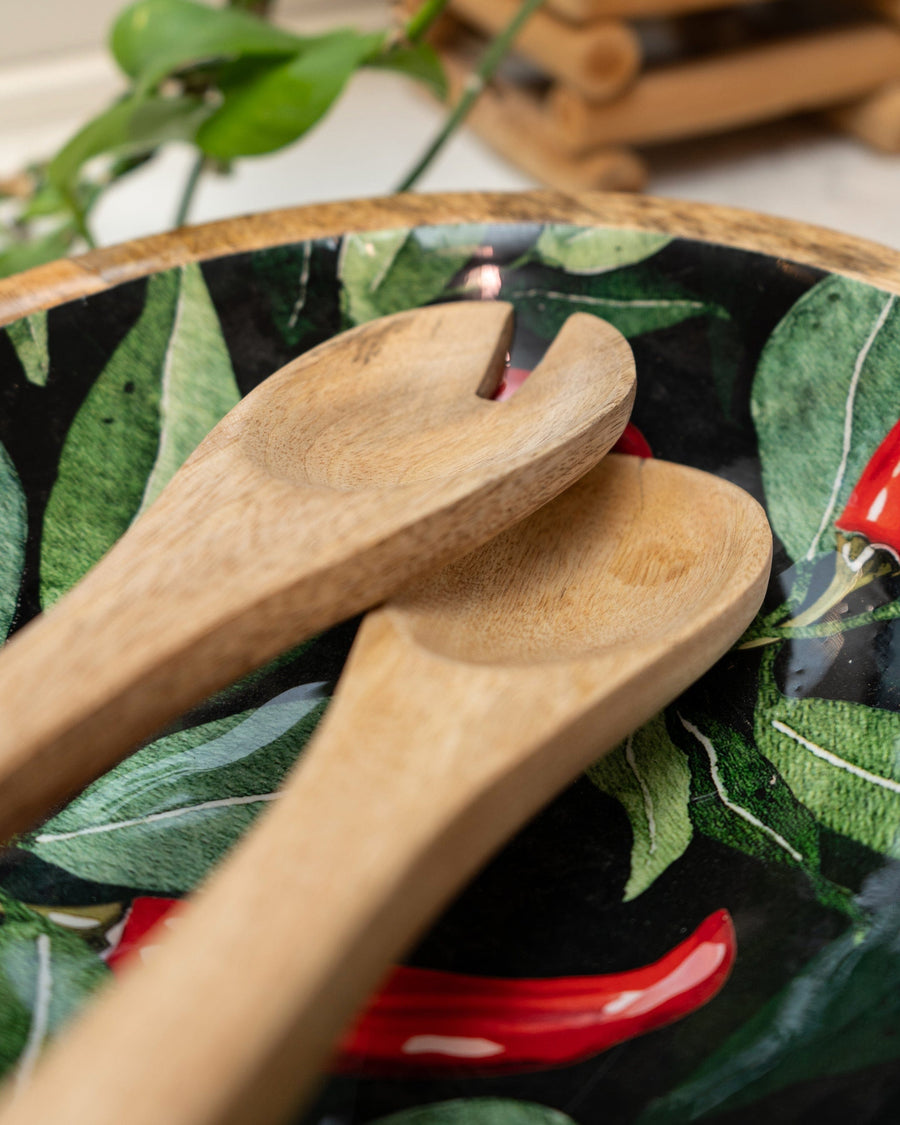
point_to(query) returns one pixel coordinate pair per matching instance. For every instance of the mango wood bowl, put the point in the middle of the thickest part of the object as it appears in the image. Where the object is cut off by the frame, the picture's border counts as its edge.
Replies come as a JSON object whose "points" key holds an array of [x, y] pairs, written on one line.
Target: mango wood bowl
{"points": [[706, 926]]}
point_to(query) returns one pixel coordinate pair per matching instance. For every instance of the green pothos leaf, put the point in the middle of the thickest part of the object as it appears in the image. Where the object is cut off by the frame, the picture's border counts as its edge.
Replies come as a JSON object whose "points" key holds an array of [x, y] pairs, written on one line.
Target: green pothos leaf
{"points": [[46, 973], [266, 107], [839, 758], [818, 404], [384, 272], [484, 1111], [592, 250], [130, 127], [650, 778], [839, 1014], [419, 61], [25, 255], [152, 38], [138, 825], [13, 532], [166, 385], [29, 338]]}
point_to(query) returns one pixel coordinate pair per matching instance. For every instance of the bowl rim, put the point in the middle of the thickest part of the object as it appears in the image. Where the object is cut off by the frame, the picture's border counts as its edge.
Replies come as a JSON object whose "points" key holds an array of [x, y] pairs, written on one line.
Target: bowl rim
{"points": [[68, 279]]}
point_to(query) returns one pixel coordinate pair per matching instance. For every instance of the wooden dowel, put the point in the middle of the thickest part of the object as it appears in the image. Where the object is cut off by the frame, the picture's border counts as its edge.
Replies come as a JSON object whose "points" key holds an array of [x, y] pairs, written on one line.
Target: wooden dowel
{"points": [[583, 11], [512, 124], [733, 89], [889, 8], [599, 60], [875, 120]]}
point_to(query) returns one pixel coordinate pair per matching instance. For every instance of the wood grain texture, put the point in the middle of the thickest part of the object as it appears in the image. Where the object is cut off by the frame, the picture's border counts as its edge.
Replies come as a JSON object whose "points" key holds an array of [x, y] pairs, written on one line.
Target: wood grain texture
{"points": [[466, 704], [734, 88], [599, 59], [767, 234], [583, 11], [515, 126], [364, 462], [888, 8], [874, 119]]}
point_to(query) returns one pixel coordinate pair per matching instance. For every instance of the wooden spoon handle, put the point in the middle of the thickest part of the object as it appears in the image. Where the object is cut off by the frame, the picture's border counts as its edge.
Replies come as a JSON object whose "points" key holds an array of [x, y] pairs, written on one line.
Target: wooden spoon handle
{"points": [[235, 1015], [137, 643]]}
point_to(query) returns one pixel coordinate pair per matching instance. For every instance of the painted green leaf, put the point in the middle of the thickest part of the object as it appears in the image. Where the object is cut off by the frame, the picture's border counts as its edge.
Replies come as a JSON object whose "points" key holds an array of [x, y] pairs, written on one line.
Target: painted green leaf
{"points": [[739, 798], [46, 974], [164, 388], [13, 532], [110, 448], [635, 300], [483, 1111], [288, 278], [198, 387], [29, 338], [840, 759], [818, 404], [138, 825], [265, 108], [590, 250], [649, 776], [152, 38], [840, 1014], [384, 272]]}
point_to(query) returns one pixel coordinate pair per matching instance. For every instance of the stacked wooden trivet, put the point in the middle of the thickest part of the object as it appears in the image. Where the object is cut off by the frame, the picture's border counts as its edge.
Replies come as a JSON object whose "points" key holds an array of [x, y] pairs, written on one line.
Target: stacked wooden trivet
{"points": [[591, 81]]}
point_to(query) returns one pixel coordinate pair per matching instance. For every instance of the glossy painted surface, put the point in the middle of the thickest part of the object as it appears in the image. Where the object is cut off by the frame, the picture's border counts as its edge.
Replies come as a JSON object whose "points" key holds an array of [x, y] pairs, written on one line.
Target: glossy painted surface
{"points": [[771, 790]]}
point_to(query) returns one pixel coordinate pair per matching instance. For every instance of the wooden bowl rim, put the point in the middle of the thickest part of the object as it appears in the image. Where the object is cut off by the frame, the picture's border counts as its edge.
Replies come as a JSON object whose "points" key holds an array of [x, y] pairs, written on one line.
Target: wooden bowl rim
{"points": [[72, 278]]}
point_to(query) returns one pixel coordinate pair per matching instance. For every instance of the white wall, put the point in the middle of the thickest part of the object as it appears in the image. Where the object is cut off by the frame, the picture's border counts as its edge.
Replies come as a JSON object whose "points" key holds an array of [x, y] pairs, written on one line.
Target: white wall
{"points": [[55, 70], [44, 27]]}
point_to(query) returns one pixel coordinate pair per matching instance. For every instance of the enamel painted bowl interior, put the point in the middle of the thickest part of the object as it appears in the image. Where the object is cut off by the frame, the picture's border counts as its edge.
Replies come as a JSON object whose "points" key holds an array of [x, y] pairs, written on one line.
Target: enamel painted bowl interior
{"points": [[723, 887]]}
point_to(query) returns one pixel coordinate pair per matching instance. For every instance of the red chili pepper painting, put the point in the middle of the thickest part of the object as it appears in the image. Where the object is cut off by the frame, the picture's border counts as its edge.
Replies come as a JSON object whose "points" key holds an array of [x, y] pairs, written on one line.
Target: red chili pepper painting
{"points": [[136, 938], [867, 530], [873, 510], [431, 1022], [633, 441], [513, 378]]}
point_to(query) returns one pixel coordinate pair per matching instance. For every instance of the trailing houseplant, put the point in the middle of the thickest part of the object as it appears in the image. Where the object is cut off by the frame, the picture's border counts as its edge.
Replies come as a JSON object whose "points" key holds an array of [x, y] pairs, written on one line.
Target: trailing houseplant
{"points": [[226, 81]]}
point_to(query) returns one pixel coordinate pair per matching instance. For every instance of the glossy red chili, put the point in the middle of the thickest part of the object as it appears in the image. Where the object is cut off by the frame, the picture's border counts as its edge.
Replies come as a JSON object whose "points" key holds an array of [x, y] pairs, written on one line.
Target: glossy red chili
{"points": [[867, 533], [425, 1021], [431, 1022], [513, 378], [633, 441], [137, 934], [873, 509]]}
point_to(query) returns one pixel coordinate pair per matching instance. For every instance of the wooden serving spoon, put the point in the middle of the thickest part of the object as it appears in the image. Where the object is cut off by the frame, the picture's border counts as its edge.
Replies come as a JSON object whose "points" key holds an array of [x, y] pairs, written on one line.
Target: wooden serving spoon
{"points": [[466, 704], [364, 462]]}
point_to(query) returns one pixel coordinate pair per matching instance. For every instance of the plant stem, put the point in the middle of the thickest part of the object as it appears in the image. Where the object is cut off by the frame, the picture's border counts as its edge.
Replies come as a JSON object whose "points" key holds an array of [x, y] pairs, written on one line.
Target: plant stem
{"points": [[189, 190], [475, 83], [79, 218], [422, 19]]}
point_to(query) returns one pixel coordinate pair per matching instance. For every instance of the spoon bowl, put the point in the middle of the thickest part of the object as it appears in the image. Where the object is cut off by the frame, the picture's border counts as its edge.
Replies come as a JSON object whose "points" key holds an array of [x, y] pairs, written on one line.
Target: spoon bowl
{"points": [[587, 575]]}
